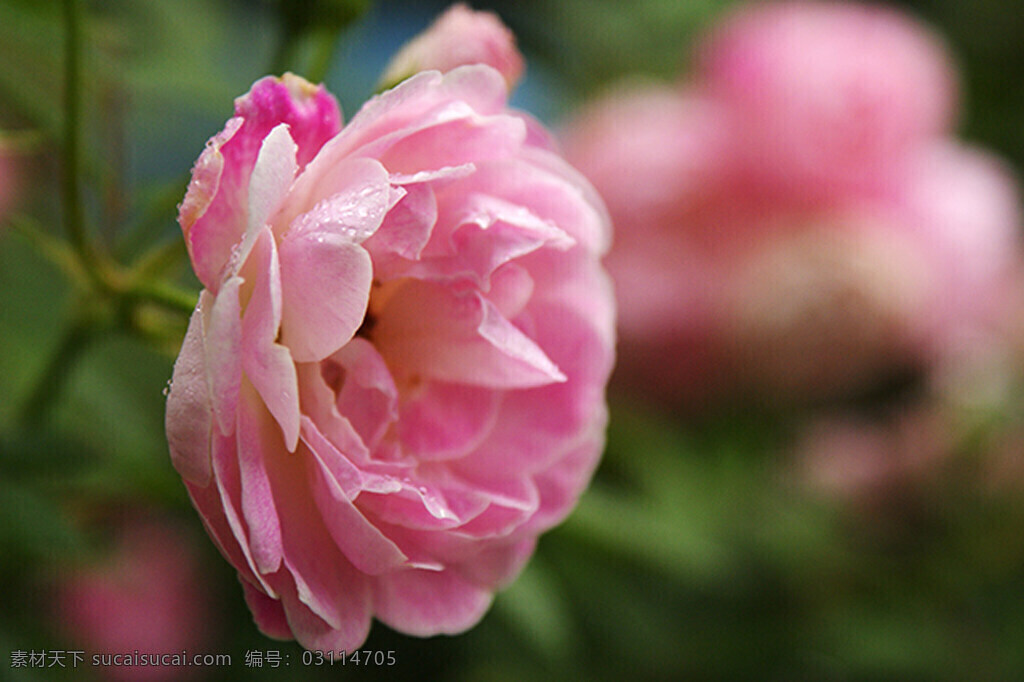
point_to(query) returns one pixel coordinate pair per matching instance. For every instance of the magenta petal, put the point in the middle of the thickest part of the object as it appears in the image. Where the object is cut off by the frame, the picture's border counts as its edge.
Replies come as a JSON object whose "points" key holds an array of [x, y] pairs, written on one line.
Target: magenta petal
{"points": [[310, 111], [425, 603], [268, 364], [189, 417], [215, 212]]}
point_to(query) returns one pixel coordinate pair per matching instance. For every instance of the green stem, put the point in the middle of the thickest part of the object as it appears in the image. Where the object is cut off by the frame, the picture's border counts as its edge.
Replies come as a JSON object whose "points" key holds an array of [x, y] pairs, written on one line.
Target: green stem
{"points": [[74, 214], [55, 250], [160, 259], [323, 54], [49, 386], [164, 294], [287, 48]]}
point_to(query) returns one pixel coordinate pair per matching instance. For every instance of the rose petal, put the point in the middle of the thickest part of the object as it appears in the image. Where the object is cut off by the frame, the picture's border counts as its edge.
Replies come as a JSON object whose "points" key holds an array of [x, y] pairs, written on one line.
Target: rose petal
{"points": [[214, 214], [325, 287], [446, 421], [268, 364], [425, 603], [426, 330], [189, 417]]}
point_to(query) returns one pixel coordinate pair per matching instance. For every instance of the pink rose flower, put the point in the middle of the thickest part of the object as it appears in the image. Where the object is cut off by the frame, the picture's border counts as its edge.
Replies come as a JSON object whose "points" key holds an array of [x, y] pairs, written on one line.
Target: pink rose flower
{"points": [[394, 379], [133, 601], [795, 223], [459, 37]]}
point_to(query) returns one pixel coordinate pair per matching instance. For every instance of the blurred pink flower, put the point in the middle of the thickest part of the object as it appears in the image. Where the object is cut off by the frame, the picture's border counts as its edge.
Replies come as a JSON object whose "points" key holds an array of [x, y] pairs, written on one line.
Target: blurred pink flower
{"points": [[133, 600], [394, 380], [459, 37], [871, 465], [829, 95], [795, 222]]}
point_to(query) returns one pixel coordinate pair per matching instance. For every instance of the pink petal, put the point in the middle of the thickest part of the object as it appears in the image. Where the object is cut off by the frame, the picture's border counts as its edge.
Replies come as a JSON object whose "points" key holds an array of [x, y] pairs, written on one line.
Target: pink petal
{"points": [[189, 417], [561, 485], [211, 507], [272, 176], [318, 406], [513, 500], [445, 421], [369, 550], [368, 398], [466, 139], [350, 198], [324, 581], [572, 326], [258, 441], [553, 191], [425, 603], [511, 289], [421, 505], [318, 634], [223, 341], [483, 233], [229, 494], [498, 565], [214, 214], [268, 613], [268, 364], [325, 286], [404, 232], [425, 329], [420, 102], [459, 36], [208, 216]]}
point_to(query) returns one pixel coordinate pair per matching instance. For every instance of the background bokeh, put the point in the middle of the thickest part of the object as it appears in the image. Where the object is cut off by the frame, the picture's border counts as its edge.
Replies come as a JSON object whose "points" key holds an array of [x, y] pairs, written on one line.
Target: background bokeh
{"points": [[870, 536]]}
